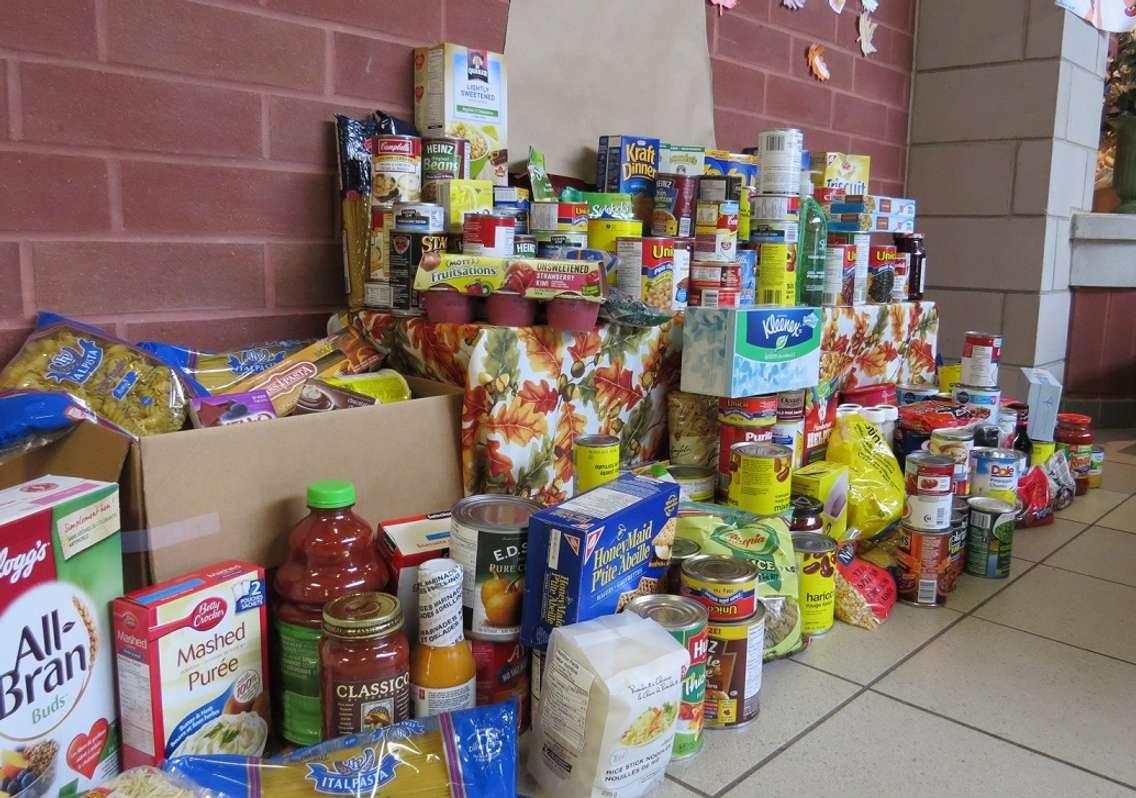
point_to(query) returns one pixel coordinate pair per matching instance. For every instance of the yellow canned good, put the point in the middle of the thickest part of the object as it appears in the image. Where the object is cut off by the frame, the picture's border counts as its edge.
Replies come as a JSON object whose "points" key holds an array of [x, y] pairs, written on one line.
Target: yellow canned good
{"points": [[596, 459], [603, 232], [816, 570], [1040, 451], [949, 374], [777, 274], [760, 477]]}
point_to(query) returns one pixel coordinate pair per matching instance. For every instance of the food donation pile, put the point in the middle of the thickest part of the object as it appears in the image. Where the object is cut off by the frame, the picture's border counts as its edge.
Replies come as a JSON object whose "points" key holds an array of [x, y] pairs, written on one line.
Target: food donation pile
{"points": [[620, 629]]}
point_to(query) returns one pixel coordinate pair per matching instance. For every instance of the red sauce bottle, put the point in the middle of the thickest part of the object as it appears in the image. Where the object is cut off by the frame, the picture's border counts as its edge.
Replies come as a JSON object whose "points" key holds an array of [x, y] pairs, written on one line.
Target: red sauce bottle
{"points": [[331, 552], [1074, 437]]}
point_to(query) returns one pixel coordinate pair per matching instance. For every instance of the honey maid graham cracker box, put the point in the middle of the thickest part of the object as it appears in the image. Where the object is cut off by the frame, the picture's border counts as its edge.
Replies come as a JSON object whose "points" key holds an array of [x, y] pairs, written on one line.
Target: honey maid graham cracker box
{"points": [[593, 554]]}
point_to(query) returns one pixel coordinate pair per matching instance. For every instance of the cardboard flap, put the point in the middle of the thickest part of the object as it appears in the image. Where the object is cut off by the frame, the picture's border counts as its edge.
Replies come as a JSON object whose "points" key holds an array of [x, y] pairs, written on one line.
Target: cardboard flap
{"points": [[89, 450]]}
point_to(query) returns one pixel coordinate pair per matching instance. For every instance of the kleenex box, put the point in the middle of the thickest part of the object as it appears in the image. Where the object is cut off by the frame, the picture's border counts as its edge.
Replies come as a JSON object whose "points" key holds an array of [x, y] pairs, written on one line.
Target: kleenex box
{"points": [[1044, 400], [747, 351]]}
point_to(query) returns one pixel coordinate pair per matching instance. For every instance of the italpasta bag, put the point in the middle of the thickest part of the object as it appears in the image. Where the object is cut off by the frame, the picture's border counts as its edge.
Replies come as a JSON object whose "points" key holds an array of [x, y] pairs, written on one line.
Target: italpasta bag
{"points": [[146, 782], [875, 483]]}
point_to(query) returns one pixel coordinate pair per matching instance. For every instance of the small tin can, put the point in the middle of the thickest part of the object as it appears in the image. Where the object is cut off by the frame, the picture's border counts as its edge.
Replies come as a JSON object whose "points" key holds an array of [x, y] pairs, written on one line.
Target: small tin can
{"points": [[695, 483], [773, 231], [960, 523], [524, 246], [713, 188], [955, 443], [981, 355], [596, 459], [419, 217], [816, 570], [990, 537], [760, 477], [1041, 451], [552, 244], [716, 231], [1096, 467], [777, 274], [726, 586], [930, 485], [780, 154], [995, 473], [396, 169], [706, 274], [681, 551], [686, 620], [922, 577], [443, 158], [562, 217], [910, 394], [733, 671], [488, 234], [502, 673], [881, 273], [985, 402], [749, 419], [675, 196]]}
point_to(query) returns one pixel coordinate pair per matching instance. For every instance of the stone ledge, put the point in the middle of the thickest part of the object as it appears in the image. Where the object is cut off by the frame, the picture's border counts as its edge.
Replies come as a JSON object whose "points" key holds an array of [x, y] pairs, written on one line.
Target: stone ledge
{"points": [[1103, 250], [1104, 226]]}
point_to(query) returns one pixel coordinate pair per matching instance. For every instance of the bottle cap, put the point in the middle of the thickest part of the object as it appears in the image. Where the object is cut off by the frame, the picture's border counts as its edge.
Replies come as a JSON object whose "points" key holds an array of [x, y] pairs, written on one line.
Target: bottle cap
{"points": [[329, 494]]}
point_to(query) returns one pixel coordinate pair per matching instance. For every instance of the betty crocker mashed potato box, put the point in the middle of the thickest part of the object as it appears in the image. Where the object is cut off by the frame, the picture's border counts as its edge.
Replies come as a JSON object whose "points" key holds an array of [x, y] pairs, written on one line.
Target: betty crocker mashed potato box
{"points": [[192, 663]]}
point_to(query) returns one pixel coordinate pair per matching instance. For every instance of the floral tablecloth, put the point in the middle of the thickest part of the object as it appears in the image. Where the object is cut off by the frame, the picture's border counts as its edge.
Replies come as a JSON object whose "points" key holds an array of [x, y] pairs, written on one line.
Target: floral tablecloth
{"points": [[873, 344]]}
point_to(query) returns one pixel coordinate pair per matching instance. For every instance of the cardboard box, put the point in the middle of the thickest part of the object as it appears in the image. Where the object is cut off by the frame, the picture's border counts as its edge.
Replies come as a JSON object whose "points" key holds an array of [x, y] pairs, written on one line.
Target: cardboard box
{"points": [[1044, 402], [827, 482], [681, 159], [838, 170], [870, 223], [872, 203], [629, 167]]}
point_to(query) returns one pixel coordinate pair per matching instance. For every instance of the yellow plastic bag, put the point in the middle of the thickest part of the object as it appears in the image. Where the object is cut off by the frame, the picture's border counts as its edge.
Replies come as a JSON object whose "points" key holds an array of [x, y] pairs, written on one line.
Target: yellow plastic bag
{"points": [[875, 483]]}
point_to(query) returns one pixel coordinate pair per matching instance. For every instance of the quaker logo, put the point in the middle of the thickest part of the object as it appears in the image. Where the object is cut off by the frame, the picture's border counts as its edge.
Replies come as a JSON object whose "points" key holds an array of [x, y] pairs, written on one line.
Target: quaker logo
{"points": [[780, 329], [359, 775], [253, 361], [75, 363], [477, 65]]}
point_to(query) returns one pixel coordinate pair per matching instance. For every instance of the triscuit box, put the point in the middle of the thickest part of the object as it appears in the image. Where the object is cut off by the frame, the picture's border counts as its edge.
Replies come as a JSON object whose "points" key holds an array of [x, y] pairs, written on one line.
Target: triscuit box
{"points": [[461, 91], [736, 352], [681, 159], [60, 567], [406, 543], [1044, 402], [838, 170], [595, 552], [827, 482]]}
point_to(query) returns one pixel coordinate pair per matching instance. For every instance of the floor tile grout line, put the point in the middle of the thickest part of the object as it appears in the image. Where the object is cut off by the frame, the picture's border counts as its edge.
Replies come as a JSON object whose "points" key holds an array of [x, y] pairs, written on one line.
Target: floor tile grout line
{"points": [[829, 673], [1087, 576], [1061, 642], [689, 787], [1014, 743]]}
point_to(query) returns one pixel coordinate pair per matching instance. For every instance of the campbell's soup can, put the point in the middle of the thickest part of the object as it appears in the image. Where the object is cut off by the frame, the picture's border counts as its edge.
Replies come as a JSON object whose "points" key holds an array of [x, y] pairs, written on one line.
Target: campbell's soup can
{"points": [[443, 158], [929, 482], [955, 443], [396, 169], [748, 419], [502, 673], [675, 197], [981, 354], [488, 234], [779, 151]]}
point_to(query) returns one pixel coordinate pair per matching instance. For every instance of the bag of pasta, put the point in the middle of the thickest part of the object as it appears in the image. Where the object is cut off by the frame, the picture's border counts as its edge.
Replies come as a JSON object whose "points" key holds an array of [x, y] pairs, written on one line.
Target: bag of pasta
{"points": [[210, 373], [146, 782], [875, 483], [121, 383]]}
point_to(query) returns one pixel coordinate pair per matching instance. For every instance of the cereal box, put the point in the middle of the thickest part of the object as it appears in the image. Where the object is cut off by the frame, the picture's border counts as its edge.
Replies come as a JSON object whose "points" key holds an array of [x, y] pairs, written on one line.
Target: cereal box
{"points": [[870, 223], [630, 167], [593, 554], [837, 170], [738, 164], [461, 91], [681, 159], [60, 567], [192, 659]]}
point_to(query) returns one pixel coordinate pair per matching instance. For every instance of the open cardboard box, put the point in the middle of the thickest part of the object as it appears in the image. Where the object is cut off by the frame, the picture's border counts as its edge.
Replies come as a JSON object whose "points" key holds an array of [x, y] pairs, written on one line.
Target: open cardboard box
{"points": [[205, 495]]}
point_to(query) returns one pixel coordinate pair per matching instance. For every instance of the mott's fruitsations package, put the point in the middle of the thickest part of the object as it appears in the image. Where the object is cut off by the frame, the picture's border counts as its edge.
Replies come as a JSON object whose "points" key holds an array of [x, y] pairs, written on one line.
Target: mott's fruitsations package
{"points": [[594, 553], [192, 659], [60, 566]]}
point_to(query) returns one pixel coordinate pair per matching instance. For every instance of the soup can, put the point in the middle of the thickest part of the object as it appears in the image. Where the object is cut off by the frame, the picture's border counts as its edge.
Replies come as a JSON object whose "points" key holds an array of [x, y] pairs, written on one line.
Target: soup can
{"points": [[777, 274], [489, 537], [681, 551], [929, 482], [686, 620], [985, 402], [960, 524], [695, 483], [780, 154], [726, 586], [396, 169], [990, 537], [955, 443], [910, 394], [561, 217], [995, 473], [981, 355], [733, 671], [816, 570], [760, 477], [861, 244], [596, 459], [443, 158], [923, 577], [706, 274], [524, 246], [488, 234], [675, 197], [502, 673], [749, 419]]}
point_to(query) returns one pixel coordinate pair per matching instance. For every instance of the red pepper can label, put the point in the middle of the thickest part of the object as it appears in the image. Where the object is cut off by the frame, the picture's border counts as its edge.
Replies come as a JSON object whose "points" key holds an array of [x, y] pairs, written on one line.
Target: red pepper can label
{"points": [[503, 673]]}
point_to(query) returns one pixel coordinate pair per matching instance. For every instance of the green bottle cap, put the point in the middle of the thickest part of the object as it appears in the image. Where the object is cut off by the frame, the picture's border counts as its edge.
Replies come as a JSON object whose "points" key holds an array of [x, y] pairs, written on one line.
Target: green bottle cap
{"points": [[327, 494]]}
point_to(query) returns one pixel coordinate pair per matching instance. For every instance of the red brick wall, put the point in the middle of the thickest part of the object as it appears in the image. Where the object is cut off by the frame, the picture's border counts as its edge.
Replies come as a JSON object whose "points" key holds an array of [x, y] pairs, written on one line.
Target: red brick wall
{"points": [[166, 165], [1102, 343]]}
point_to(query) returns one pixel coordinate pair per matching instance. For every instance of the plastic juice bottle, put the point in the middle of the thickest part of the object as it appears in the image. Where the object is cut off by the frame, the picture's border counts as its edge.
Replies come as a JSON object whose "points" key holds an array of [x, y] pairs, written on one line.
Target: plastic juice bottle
{"points": [[443, 674]]}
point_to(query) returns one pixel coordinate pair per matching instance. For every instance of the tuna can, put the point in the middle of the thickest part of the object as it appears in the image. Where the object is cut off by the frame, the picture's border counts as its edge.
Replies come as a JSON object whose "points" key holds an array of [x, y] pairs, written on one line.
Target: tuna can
{"points": [[524, 246], [681, 551], [1096, 467], [960, 523], [777, 274], [596, 459], [955, 443], [675, 196], [502, 673], [695, 483], [780, 156], [488, 234], [406, 253], [733, 671], [746, 420], [985, 402], [419, 217], [881, 273], [562, 217], [726, 586], [930, 486], [489, 538], [396, 169], [981, 354], [716, 231], [686, 621], [773, 231], [443, 158], [760, 477], [551, 244], [995, 473], [923, 579], [910, 394], [990, 537], [816, 569]]}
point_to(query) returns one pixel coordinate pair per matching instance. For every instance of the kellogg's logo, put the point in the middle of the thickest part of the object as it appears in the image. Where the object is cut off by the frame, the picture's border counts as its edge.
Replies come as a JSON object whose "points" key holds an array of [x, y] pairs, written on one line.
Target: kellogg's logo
{"points": [[477, 65], [253, 361], [19, 565], [75, 364]]}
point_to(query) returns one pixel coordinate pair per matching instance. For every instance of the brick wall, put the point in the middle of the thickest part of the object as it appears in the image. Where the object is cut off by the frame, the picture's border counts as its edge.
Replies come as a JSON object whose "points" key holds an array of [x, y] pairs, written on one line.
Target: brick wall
{"points": [[166, 165]]}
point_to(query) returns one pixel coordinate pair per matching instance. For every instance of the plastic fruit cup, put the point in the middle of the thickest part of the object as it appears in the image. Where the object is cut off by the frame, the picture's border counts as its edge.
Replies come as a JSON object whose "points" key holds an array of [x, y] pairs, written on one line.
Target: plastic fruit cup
{"points": [[444, 305], [573, 315], [510, 309]]}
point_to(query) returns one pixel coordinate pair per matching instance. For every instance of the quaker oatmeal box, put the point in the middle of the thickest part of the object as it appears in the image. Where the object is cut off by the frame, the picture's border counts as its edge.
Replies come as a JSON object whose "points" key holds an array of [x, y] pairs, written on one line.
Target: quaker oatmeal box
{"points": [[60, 566]]}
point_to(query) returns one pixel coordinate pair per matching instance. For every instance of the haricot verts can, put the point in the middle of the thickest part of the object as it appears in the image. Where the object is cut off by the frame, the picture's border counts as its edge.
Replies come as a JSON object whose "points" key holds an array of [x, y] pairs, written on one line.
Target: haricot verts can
{"points": [[995, 473], [924, 577], [955, 443], [726, 586], [760, 477], [443, 158], [686, 620], [596, 459], [929, 482], [816, 570], [502, 674], [733, 671], [489, 537], [990, 537], [981, 354], [749, 419]]}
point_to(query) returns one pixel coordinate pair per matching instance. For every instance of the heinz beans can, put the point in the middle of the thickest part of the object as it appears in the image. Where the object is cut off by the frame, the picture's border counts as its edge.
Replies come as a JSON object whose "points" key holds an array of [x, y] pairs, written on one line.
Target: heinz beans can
{"points": [[981, 354], [930, 487], [443, 158], [675, 197]]}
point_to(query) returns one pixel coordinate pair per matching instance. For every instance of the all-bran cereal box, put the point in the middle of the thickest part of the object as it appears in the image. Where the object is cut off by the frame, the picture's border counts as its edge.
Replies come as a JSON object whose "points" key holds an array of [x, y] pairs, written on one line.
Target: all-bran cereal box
{"points": [[60, 567], [630, 167], [192, 665], [594, 553]]}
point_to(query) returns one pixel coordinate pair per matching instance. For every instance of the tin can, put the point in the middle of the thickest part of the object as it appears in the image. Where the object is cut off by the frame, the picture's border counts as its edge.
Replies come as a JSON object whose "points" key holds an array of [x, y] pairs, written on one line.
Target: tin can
{"points": [[760, 477], [777, 274], [780, 154], [686, 620], [714, 297], [861, 244], [419, 217], [489, 538], [726, 586], [930, 485], [443, 158], [716, 231], [986, 402], [960, 523], [816, 569], [680, 279], [1041, 451], [706, 274], [645, 269], [746, 420], [562, 217], [923, 566], [773, 231], [524, 246], [675, 196], [502, 673], [790, 433], [713, 188], [881, 273], [596, 459], [519, 213], [981, 354], [681, 551], [955, 443], [1096, 467], [839, 274], [603, 233], [776, 207], [995, 473], [551, 244], [406, 253], [488, 234], [910, 394], [733, 671], [396, 169], [990, 537], [695, 483]]}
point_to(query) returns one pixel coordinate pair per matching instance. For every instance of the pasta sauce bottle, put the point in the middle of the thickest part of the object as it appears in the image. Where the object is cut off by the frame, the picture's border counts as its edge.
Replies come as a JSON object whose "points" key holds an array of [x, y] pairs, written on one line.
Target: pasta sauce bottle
{"points": [[331, 553], [443, 673]]}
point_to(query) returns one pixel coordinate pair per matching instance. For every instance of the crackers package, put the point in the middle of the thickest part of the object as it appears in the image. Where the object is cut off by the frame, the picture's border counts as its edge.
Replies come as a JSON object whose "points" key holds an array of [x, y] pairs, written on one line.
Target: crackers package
{"points": [[593, 554]]}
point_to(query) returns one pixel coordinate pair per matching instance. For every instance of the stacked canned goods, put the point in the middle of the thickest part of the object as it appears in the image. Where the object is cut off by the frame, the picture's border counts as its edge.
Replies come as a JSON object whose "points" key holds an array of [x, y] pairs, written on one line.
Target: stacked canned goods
{"points": [[558, 225], [746, 420], [419, 229], [925, 532], [715, 274], [978, 386], [789, 431]]}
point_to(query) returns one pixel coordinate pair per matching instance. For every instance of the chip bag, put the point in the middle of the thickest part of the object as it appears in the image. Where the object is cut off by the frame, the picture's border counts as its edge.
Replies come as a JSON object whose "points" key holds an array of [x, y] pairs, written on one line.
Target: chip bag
{"points": [[875, 483], [865, 592], [1035, 499]]}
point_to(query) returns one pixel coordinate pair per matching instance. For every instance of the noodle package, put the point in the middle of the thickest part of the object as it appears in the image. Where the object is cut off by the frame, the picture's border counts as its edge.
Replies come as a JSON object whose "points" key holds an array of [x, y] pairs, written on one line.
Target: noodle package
{"points": [[875, 484], [209, 373], [146, 782]]}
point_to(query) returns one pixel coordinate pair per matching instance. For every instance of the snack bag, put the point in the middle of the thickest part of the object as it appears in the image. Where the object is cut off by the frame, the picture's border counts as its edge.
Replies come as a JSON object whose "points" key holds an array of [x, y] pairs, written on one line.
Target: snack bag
{"points": [[1062, 486], [875, 483], [209, 373], [1035, 499], [865, 592]]}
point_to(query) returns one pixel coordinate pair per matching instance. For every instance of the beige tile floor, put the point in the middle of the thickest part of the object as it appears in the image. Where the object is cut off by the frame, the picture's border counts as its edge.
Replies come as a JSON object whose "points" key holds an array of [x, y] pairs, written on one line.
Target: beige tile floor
{"points": [[1019, 687]]}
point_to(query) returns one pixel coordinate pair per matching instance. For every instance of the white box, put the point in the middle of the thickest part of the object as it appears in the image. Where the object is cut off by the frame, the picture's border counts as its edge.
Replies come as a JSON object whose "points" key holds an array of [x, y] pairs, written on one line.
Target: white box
{"points": [[1044, 402]]}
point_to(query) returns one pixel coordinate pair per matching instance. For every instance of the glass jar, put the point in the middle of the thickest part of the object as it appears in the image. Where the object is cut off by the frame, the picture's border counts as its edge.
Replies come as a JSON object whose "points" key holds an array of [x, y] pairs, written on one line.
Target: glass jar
{"points": [[807, 514], [364, 664], [1074, 437]]}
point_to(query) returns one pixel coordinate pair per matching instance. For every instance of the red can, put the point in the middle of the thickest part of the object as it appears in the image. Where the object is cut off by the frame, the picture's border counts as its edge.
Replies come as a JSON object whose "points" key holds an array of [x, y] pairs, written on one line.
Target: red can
{"points": [[732, 275], [924, 577], [881, 272], [713, 297], [869, 395], [488, 234], [503, 673], [930, 489], [675, 197]]}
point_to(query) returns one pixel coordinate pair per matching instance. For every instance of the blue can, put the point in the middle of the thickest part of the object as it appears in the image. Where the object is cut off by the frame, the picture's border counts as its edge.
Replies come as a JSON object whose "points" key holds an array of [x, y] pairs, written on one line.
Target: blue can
{"points": [[747, 260]]}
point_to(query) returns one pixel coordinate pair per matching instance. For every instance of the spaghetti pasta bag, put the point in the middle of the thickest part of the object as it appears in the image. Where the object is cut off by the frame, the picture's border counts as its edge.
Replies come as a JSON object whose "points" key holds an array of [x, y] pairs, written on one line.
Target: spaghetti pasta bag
{"points": [[210, 373], [875, 483], [145, 782]]}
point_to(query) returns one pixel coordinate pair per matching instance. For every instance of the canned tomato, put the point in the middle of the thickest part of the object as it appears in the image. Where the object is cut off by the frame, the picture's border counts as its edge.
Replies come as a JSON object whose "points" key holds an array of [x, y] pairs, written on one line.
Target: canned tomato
{"points": [[675, 196], [990, 537], [596, 459], [443, 158], [396, 169], [995, 473], [406, 253], [910, 394], [960, 523], [1096, 467], [686, 620], [681, 551], [924, 573], [749, 419], [695, 483], [777, 274], [502, 670], [726, 586], [985, 402], [488, 234], [760, 477], [733, 671], [645, 269], [930, 485], [881, 273], [955, 443], [489, 538], [816, 570], [981, 354], [780, 153], [716, 231], [563, 217]]}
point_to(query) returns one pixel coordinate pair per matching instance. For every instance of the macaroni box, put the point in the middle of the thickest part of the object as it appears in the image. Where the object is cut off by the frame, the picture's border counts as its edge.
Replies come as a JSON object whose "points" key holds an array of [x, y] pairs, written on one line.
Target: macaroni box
{"points": [[681, 159], [406, 543], [736, 164], [629, 167], [192, 659], [593, 554]]}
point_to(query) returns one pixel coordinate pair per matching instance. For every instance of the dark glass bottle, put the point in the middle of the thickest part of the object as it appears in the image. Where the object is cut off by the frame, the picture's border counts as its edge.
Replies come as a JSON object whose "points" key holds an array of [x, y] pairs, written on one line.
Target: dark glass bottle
{"points": [[912, 245], [1021, 436]]}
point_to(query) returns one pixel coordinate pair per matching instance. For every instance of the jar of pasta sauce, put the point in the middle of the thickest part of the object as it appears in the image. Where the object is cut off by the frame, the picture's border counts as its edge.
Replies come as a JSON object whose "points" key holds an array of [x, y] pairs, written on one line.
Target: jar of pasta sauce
{"points": [[1074, 437]]}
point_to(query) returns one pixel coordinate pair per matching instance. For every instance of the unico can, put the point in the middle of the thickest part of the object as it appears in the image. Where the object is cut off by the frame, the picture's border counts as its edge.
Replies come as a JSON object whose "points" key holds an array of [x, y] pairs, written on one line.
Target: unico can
{"points": [[686, 620], [725, 586], [749, 419], [990, 537], [995, 473], [596, 459], [881, 273], [981, 354], [924, 567], [955, 443], [930, 485], [816, 569], [733, 671], [760, 477]]}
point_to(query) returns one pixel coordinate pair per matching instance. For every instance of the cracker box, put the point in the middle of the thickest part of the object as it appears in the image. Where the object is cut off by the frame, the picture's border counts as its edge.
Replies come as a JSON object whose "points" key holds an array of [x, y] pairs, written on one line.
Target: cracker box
{"points": [[60, 567], [735, 352], [406, 543], [681, 159], [629, 167], [461, 91], [192, 658], [593, 554], [838, 170], [870, 223], [873, 203]]}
